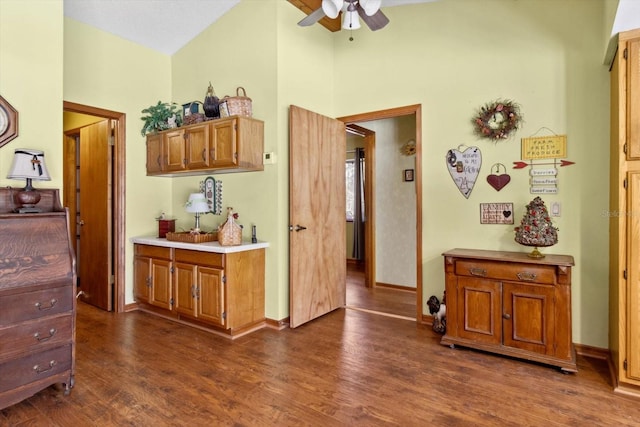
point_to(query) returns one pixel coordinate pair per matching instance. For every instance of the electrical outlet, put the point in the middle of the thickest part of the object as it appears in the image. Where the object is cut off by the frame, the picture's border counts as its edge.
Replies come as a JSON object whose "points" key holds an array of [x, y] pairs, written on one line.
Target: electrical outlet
{"points": [[269, 158]]}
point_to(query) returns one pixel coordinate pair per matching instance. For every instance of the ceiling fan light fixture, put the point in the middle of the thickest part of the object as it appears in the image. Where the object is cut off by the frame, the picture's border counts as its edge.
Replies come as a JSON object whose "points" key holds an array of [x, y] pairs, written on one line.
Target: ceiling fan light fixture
{"points": [[332, 8], [350, 20], [370, 7]]}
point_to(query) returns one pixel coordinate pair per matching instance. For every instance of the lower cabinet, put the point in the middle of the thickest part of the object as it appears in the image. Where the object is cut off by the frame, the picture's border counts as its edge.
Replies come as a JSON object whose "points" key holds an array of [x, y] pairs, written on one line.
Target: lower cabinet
{"points": [[508, 303], [220, 291]]}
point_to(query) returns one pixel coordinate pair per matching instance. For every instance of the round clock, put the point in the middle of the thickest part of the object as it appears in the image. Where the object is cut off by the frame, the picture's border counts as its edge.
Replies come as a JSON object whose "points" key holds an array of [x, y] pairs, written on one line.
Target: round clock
{"points": [[8, 122]]}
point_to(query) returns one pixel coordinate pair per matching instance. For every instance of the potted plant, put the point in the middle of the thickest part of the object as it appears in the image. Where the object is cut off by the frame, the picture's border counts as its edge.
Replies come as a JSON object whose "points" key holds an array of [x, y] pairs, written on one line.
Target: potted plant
{"points": [[161, 116]]}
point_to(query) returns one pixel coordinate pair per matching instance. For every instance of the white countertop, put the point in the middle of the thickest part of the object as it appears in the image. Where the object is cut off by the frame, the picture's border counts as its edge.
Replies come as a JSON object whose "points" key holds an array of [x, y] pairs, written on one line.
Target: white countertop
{"points": [[203, 247]]}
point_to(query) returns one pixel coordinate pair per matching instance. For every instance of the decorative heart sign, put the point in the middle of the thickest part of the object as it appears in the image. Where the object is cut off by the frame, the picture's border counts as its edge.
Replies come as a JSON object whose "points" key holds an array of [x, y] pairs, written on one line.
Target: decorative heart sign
{"points": [[464, 167], [498, 181]]}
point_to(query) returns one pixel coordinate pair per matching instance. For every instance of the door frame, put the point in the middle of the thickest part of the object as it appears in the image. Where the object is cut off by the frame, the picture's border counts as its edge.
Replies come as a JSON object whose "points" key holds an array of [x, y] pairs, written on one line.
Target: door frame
{"points": [[118, 194], [415, 110]]}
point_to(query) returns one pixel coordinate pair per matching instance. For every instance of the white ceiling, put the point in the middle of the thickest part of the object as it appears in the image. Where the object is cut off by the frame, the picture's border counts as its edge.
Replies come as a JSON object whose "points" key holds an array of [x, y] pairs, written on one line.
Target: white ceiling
{"points": [[162, 25]]}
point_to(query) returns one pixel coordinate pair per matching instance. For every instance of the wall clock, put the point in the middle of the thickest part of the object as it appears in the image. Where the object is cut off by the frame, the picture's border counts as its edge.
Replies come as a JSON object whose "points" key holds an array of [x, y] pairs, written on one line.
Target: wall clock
{"points": [[8, 122]]}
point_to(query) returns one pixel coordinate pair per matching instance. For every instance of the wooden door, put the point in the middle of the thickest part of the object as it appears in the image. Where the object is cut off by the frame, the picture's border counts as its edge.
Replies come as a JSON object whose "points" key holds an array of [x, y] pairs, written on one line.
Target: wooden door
{"points": [[185, 286], [174, 150], [142, 278], [224, 148], [211, 295], [197, 139], [95, 252], [633, 273], [479, 310], [633, 100], [529, 321], [317, 249], [154, 153], [161, 293]]}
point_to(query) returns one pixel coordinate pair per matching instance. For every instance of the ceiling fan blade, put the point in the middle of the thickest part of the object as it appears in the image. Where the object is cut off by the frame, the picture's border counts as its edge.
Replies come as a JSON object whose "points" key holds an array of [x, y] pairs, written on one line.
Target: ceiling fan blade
{"points": [[312, 18], [376, 21]]}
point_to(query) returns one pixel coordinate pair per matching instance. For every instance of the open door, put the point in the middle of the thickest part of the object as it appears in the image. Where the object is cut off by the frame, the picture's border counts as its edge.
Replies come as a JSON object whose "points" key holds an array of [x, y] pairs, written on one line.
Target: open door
{"points": [[317, 250], [95, 215]]}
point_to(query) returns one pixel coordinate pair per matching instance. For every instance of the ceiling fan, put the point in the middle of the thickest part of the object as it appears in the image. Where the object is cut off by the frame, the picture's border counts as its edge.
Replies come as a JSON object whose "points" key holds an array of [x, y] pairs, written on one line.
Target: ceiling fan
{"points": [[352, 11]]}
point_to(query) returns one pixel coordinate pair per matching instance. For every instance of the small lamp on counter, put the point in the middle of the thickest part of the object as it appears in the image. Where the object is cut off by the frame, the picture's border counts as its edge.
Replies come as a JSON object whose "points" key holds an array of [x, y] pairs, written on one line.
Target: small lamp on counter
{"points": [[197, 204], [28, 164]]}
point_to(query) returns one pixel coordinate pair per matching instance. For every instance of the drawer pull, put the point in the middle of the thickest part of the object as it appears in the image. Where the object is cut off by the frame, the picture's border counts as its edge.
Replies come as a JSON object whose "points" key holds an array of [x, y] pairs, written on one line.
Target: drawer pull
{"points": [[52, 304], [42, 370], [474, 271], [37, 336], [527, 276]]}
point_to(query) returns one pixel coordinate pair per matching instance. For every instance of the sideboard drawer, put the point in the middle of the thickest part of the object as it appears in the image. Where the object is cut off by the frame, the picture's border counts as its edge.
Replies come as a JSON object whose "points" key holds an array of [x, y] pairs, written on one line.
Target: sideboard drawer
{"points": [[507, 271], [16, 308], [34, 367], [29, 336]]}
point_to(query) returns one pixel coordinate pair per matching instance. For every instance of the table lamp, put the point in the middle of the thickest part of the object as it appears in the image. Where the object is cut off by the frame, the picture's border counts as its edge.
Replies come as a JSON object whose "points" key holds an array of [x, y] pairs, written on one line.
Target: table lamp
{"points": [[28, 164], [197, 204]]}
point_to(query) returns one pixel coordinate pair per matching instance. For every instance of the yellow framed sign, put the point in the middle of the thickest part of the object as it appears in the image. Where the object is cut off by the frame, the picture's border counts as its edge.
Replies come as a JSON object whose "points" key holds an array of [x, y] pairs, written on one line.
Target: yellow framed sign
{"points": [[544, 147]]}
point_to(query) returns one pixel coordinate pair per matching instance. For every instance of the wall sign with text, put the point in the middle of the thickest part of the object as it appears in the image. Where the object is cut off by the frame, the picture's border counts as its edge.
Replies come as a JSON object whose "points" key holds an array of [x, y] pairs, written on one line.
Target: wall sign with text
{"points": [[496, 213]]}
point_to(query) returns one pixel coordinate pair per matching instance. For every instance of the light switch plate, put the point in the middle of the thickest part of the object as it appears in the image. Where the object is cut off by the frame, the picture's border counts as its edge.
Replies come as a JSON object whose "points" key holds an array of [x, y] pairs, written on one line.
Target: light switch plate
{"points": [[555, 209]]}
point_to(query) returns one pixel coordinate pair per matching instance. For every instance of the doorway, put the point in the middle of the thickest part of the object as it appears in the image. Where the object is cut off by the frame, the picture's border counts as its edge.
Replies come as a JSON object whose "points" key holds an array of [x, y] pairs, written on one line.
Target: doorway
{"points": [[102, 246], [371, 294]]}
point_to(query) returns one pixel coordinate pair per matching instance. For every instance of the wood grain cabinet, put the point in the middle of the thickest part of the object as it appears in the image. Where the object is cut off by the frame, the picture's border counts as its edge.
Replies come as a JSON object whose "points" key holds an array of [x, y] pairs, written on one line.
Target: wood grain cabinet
{"points": [[624, 228], [232, 144], [220, 291], [37, 302], [508, 303]]}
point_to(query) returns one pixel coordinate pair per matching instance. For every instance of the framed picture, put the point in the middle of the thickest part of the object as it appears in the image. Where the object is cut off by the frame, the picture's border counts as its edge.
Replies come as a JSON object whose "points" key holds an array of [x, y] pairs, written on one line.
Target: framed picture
{"points": [[496, 213], [408, 175]]}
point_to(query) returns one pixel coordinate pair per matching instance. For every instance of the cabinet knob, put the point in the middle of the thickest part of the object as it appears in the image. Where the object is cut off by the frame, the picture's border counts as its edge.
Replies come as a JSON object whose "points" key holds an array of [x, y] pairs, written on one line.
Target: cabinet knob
{"points": [[506, 316]]}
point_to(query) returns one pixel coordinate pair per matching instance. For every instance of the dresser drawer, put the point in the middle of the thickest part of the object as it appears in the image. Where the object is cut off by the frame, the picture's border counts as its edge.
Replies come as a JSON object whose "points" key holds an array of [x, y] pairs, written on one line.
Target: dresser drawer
{"points": [[514, 272], [29, 336], [16, 308], [34, 367]]}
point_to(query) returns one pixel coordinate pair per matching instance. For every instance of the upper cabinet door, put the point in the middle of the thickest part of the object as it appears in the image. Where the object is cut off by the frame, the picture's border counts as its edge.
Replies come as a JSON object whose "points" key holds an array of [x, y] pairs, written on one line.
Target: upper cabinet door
{"points": [[155, 161], [197, 141], [175, 151], [224, 147], [632, 53]]}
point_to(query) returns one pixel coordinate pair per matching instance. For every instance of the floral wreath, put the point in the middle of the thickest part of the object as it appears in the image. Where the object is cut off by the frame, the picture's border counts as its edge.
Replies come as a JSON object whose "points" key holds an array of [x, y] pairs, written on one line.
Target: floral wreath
{"points": [[497, 120]]}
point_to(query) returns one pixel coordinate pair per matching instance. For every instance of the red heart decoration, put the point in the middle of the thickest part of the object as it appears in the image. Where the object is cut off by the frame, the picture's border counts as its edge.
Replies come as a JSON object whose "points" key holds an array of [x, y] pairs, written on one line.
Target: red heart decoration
{"points": [[498, 181]]}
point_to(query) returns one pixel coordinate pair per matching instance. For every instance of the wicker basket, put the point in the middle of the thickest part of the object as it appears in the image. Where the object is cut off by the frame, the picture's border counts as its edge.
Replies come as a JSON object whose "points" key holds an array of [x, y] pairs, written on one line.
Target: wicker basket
{"points": [[239, 105], [187, 237], [230, 233]]}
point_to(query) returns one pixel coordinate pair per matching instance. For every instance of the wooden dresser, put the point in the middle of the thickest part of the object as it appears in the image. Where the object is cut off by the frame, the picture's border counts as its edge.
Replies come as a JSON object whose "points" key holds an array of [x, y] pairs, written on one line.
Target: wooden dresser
{"points": [[37, 302], [511, 304]]}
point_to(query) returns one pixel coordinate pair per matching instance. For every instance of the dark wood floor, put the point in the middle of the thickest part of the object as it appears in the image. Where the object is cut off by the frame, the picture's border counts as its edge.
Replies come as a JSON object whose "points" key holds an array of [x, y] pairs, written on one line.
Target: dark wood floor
{"points": [[346, 368], [380, 299]]}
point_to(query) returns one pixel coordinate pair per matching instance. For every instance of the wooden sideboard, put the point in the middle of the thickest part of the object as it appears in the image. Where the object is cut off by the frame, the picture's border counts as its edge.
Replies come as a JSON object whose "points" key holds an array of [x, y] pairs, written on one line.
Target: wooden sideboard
{"points": [[511, 304], [37, 302]]}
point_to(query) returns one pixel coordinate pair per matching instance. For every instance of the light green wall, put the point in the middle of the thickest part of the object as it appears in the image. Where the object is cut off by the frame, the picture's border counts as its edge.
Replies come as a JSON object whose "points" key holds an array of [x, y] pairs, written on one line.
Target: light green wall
{"points": [[454, 56], [450, 56], [30, 80]]}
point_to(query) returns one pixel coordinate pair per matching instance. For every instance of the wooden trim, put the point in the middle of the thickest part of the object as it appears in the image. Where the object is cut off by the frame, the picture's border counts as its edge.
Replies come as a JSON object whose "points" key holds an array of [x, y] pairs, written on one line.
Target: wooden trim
{"points": [[277, 324], [396, 287], [119, 194], [415, 110], [593, 352]]}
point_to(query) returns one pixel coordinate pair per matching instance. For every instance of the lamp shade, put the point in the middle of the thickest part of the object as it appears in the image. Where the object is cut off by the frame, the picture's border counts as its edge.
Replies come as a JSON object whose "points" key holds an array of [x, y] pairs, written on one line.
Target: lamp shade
{"points": [[331, 8], [350, 20], [197, 203], [28, 164], [370, 7]]}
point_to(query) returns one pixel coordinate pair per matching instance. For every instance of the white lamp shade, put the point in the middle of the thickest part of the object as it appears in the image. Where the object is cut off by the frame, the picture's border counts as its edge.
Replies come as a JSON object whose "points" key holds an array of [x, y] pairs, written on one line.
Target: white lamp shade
{"points": [[197, 203], [370, 7], [350, 20], [331, 8], [28, 163]]}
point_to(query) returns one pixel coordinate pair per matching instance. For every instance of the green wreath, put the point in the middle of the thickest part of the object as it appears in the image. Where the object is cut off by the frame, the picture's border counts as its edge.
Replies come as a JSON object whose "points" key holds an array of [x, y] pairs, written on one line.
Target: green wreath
{"points": [[497, 120]]}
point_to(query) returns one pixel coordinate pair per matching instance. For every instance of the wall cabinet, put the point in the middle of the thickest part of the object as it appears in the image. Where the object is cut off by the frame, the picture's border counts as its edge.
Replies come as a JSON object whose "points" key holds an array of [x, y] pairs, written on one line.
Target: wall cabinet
{"points": [[624, 228], [220, 291], [511, 304], [37, 300], [232, 144]]}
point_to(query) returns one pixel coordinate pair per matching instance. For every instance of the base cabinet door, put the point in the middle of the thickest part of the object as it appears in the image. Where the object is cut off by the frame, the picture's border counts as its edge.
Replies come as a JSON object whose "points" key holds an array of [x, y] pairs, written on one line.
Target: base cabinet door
{"points": [[528, 317], [211, 295], [142, 279], [478, 309], [152, 275], [186, 289]]}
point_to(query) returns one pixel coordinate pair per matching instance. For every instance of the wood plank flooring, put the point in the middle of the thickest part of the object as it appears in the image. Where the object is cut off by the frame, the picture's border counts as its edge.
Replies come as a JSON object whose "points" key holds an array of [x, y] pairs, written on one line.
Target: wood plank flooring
{"points": [[346, 368]]}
